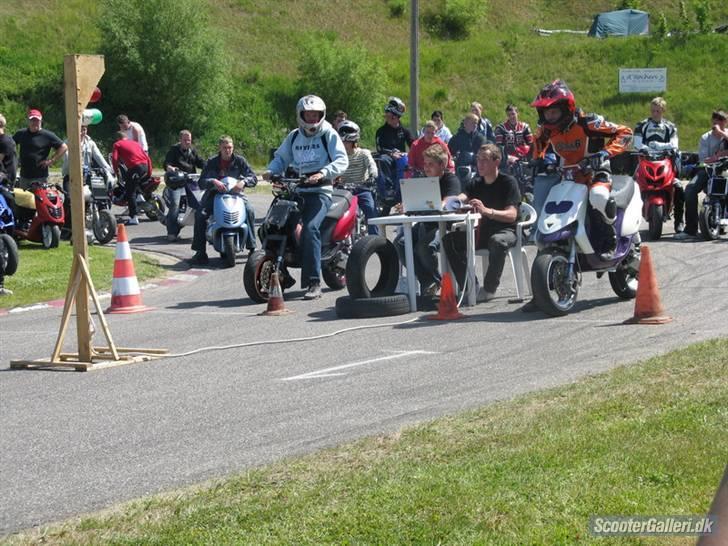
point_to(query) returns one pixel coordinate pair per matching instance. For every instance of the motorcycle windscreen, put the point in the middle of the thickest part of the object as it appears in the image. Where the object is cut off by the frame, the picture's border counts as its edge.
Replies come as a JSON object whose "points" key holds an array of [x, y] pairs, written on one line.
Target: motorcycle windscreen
{"points": [[279, 212]]}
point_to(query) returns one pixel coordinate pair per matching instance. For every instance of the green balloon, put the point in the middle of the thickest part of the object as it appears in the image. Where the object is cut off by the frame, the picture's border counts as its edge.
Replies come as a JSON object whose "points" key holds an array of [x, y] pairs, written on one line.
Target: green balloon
{"points": [[91, 116]]}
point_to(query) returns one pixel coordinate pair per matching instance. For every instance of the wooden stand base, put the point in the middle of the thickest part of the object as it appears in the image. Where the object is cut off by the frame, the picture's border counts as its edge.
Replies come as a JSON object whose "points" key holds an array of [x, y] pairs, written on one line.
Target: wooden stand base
{"points": [[102, 358]]}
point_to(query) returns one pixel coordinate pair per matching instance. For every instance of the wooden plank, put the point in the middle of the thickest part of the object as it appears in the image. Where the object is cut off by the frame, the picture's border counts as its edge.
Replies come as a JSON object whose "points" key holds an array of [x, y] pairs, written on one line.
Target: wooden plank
{"points": [[73, 282], [97, 304], [81, 74]]}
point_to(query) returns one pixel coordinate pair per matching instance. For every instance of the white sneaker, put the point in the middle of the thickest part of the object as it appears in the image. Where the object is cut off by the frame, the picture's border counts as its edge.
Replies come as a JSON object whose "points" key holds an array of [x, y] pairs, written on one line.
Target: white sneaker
{"points": [[5, 291], [132, 221], [684, 236], [484, 296]]}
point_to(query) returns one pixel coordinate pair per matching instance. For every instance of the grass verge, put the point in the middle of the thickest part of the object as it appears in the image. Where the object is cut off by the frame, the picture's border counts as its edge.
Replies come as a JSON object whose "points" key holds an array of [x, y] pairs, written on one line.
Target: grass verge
{"points": [[43, 274], [642, 439]]}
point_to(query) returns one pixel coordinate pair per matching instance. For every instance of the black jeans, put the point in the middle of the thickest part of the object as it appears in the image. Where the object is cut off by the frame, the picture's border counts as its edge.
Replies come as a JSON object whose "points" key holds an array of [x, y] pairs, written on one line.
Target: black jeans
{"points": [[693, 189], [199, 242], [424, 250], [131, 181], [497, 244]]}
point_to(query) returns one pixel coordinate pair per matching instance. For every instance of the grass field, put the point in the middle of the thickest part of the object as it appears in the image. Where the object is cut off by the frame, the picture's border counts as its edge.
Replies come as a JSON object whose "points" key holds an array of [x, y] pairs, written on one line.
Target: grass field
{"points": [[502, 61], [43, 274], [640, 440]]}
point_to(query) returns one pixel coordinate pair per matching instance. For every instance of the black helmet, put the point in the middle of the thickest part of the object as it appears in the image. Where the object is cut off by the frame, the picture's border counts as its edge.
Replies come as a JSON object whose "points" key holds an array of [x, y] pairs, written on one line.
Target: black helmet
{"points": [[175, 180]]}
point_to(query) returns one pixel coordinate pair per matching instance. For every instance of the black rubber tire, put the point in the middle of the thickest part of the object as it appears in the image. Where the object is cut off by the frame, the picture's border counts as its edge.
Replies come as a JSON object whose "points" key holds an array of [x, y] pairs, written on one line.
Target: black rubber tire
{"points": [[620, 281], [655, 220], [361, 252], [541, 284], [228, 251], [105, 227], [10, 255], [709, 228], [252, 273], [53, 236], [157, 209], [383, 306], [334, 279]]}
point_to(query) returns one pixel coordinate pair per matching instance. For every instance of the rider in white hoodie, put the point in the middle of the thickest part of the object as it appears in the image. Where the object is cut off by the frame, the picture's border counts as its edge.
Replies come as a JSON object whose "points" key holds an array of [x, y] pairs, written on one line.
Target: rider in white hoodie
{"points": [[314, 150]]}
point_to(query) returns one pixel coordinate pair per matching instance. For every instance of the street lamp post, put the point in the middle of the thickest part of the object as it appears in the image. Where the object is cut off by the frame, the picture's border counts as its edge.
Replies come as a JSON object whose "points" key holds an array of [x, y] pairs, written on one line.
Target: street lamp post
{"points": [[414, 67]]}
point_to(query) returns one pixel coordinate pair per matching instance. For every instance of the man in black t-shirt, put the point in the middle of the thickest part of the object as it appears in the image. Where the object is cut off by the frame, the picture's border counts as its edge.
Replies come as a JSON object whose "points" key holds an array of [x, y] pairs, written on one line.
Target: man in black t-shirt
{"points": [[392, 141], [496, 197], [35, 145]]}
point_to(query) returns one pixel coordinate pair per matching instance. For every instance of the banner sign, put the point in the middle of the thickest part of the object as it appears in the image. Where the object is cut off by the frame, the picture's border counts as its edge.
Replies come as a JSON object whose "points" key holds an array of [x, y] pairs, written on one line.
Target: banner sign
{"points": [[642, 80]]}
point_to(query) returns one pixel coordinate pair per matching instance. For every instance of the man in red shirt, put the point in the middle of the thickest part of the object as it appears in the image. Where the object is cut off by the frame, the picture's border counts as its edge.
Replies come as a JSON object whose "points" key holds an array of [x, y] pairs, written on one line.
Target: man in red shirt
{"points": [[416, 158], [138, 165]]}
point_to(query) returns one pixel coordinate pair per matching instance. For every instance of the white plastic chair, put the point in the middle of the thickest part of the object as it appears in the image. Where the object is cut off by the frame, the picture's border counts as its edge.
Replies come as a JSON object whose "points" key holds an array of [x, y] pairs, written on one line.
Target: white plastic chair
{"points": [[517, 254]]}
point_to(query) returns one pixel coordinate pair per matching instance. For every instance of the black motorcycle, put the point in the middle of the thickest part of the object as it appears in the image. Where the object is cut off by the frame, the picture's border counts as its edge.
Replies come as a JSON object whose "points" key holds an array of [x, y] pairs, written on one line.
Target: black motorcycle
{"points": [[280, 236], [714, 215]]}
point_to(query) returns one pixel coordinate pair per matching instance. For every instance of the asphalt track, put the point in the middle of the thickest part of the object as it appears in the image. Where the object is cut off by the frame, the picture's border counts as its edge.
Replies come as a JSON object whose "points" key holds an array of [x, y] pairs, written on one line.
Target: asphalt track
{"points": [[72, 442]]}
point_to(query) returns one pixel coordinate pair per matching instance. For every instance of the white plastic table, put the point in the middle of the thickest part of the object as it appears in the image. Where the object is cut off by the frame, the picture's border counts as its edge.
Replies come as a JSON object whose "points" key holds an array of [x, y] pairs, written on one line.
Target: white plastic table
{"points": [[406, 221]]}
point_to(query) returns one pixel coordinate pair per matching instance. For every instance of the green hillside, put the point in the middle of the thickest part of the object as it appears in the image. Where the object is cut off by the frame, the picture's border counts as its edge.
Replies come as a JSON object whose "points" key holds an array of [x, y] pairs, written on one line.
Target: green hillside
{"points": [[503, 60]]}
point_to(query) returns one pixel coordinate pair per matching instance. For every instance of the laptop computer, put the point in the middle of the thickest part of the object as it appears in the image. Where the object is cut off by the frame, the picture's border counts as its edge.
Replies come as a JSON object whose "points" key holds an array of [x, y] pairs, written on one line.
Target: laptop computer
{"points": [[421, 195]]}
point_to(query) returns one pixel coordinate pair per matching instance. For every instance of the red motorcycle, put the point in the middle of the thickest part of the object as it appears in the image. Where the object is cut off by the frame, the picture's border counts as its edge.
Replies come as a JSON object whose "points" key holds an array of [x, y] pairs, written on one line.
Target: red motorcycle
{"points": [[44, 225], [281, 233], [655, 176]]}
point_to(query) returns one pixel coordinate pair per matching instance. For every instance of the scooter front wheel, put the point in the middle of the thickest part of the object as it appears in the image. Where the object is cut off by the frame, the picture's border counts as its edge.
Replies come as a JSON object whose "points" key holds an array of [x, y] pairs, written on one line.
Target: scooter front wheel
{"points": [[655, 220], [104, 226], [710, 222], [554, 290], [50, 235], [9, 257]]}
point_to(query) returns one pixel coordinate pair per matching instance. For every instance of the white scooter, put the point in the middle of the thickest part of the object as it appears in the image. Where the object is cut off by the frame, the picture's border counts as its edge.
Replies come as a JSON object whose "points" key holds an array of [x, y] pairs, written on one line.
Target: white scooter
{"points": [[567, 228], [227, 228]]}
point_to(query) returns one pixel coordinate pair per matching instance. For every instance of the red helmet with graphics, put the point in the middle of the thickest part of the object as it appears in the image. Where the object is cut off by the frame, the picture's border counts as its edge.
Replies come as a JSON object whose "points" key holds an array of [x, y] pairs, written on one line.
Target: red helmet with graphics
{"points": [[555, 94]]}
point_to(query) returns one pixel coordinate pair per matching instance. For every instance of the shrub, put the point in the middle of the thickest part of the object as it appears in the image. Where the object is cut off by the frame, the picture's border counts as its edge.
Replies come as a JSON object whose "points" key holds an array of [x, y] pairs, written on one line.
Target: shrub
{"points": [[702, 15], [396, 7], [453, 19], [346, 77], [164, 66], [661, 29]]}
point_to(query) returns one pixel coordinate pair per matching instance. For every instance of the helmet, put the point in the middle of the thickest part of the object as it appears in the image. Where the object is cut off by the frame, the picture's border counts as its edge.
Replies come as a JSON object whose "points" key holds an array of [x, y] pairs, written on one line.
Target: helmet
{"points": [[395, 106], [310, 103], [349, 131], [555, 94], [175, 180]]}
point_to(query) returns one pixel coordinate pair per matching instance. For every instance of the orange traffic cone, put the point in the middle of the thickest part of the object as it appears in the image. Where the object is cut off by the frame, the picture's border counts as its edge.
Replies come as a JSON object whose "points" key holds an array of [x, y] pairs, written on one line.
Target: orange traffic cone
{"points": [[276, 306], [447, 309], [125, 294], [647, 306]]}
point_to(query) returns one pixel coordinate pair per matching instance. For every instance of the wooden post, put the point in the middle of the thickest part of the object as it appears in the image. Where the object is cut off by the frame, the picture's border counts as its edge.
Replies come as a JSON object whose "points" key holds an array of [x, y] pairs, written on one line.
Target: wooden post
{"points": [[81, 74]]}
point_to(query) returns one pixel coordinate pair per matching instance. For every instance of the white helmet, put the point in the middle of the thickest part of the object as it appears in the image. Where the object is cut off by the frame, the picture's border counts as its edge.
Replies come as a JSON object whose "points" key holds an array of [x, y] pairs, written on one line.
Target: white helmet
{"points": [[395, 106], [310, 103], [349, 131]]}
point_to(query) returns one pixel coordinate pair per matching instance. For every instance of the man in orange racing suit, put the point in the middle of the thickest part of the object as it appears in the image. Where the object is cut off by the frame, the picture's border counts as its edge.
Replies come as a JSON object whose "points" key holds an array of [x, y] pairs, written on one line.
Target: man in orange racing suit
{"points": [[579, 138]]}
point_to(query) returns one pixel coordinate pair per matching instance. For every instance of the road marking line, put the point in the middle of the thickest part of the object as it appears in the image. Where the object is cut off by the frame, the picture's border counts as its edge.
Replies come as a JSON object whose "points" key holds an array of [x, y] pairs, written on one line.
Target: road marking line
{"points": [[325, 371]]}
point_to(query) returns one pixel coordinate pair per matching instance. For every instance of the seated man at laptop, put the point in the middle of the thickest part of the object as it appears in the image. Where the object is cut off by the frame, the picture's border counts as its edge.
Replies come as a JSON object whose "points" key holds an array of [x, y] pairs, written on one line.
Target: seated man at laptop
{"points": [[425, 243], [496, 197]]}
